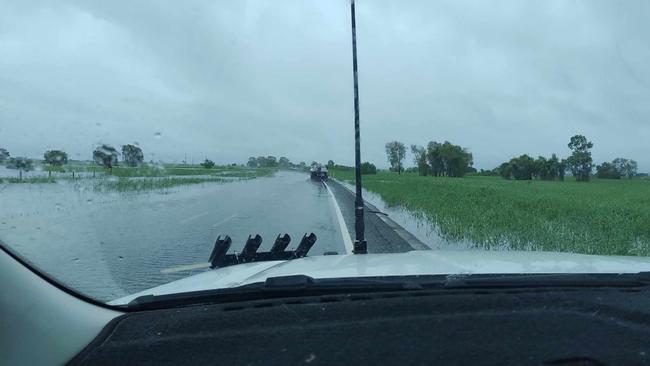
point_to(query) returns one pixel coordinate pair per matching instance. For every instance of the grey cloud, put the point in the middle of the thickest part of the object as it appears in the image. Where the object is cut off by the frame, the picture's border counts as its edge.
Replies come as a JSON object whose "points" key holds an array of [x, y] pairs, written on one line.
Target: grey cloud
{"points": [[238, 78]]}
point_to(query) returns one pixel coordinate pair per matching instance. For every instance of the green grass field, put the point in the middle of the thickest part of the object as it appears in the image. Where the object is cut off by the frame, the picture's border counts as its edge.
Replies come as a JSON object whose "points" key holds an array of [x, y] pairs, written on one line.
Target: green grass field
{"points": [[610, 217]]}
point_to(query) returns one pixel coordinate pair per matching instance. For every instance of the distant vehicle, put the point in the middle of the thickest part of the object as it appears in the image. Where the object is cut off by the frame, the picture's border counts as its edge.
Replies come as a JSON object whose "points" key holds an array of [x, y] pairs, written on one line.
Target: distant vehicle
{"points": [[318, 172]]}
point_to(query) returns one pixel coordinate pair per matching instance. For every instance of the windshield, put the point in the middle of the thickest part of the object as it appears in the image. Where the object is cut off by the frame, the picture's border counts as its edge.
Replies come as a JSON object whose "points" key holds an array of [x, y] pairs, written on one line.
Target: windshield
{"points": [[495, 137]]}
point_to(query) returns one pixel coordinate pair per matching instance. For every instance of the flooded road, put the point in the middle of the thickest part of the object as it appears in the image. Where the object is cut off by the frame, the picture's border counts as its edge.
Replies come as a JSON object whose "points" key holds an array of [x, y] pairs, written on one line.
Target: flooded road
{"points": [[108, 244]]}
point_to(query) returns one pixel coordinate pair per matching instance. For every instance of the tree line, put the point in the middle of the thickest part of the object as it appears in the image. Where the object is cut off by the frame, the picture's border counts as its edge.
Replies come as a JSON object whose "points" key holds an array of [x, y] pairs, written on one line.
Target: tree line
{"points": [[437, 159], [104, 155], [447, 159], [272, 162], [579, 164]]}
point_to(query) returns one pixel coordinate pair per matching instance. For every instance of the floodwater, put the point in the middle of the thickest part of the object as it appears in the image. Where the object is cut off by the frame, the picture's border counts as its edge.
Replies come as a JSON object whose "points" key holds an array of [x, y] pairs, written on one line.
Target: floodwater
{"points": [[107, 244]]}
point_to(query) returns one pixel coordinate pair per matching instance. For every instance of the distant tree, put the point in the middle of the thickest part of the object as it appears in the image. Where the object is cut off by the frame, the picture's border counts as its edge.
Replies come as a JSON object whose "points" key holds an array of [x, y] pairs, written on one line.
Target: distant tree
{"points": [[302, 165], [555, 168], [523, 167], [395, 152], [488, 172], [368, 168], [132, 155], [505, 170], [21, 164], [434, 158], [627, 167], [272, 161], [562, 167], [106, 156], [207, 164], [330, 164], [420, 159], [4, 155], [262, 161], [608, 171], [252, 162], [447, 159], [55, 157], [580, 162], [284, 162]]}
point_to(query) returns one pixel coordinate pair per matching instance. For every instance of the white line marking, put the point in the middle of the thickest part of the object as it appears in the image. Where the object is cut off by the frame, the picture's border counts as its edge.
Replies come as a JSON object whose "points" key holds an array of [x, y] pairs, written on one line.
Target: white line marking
{"points": [[347, 240], [225, 220]]}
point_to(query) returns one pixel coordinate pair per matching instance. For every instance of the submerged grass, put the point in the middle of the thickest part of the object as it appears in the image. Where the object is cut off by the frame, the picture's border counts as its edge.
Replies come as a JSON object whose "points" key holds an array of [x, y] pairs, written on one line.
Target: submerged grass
{"points": [[148, 184], [608, 217], [166, 171], [28, 180]]}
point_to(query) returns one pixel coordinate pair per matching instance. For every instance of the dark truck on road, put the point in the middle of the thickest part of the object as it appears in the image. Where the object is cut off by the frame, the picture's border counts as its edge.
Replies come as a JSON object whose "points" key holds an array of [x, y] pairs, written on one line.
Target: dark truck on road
{"points": [[318, 172]]}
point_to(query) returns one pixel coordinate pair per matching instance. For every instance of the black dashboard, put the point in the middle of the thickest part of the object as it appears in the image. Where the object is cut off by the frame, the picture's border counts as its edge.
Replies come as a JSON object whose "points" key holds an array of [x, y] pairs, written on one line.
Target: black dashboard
{"points": [[539, 326]]}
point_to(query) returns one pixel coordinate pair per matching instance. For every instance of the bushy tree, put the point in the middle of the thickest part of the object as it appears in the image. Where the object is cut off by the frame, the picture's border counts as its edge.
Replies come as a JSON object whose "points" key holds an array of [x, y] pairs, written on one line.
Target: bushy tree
{"points": [[272, 161], [4, 155], [580, 162], [21, 164], [106, 156], [608, 171], [447, 159], [420, 159], [330, 164], [525, 167], [264, 161], [55, 157], [284, 162], [207, 164], [132, 155], [252, 162], [368, 168], [395, 152], [549, 169], [627, 167]]}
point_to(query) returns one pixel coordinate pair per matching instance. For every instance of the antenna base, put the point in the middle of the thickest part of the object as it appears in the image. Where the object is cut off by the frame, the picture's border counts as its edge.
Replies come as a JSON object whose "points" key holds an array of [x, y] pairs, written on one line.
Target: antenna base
{"points": [[360, 247]]}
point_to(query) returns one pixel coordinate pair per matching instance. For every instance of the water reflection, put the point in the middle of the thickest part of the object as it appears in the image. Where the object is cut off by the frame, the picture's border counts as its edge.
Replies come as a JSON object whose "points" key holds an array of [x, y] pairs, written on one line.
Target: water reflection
{"points": [[109, 244]]}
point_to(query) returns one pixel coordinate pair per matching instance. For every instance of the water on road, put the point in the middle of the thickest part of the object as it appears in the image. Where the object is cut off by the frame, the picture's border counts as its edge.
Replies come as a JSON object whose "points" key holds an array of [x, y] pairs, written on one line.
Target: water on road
{"points": [[108, 245]]}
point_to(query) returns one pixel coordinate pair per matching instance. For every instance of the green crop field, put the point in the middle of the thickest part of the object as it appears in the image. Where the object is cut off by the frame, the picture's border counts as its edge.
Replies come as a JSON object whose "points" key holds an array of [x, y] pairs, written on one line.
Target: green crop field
{"points": [[609, 217]]}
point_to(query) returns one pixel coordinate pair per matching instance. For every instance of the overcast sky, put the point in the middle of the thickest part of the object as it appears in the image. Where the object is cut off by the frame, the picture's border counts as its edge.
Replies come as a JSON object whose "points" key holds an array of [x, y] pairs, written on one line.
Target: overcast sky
{"points": [[232, 79]]}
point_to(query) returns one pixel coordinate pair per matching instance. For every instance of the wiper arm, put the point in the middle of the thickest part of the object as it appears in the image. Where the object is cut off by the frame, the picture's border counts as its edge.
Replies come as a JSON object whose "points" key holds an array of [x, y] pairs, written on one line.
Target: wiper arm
{"points": [[219, 257]]}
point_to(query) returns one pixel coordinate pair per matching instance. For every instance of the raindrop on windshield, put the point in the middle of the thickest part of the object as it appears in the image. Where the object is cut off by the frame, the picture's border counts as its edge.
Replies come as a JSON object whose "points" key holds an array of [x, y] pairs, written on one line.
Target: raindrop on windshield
{"points": [[157, 135]]}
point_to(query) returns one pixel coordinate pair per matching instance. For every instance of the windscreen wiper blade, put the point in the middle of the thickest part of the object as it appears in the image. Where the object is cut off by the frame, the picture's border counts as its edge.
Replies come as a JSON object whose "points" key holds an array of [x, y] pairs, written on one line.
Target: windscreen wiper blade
{"points": [[302, 285], [219, 257], [277, 287], [548, 280]]}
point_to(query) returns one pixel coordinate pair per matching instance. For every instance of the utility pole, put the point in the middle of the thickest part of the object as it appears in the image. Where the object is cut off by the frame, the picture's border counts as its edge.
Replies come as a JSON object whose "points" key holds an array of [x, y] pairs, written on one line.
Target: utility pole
{"points": [[360, 245]]}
